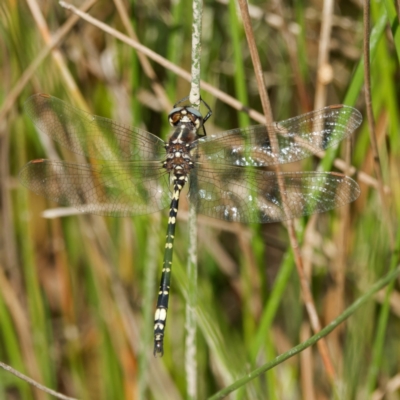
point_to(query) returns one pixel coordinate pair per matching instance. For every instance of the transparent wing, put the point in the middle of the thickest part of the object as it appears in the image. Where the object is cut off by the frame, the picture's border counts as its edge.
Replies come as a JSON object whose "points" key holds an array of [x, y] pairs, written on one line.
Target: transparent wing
{"points": [[296, 138], [249, 195], [90, 135], [112, 189]]}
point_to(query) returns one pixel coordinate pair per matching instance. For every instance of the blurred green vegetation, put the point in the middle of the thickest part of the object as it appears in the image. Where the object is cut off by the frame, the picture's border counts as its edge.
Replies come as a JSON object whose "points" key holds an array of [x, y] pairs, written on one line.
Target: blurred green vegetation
{"points": [[77, 293]]}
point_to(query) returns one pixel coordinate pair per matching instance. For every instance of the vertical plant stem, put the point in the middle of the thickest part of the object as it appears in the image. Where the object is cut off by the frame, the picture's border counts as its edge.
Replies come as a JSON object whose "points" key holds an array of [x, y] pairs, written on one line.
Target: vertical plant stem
{"points": [[324, 77], [236, 32], [325, 72], [397, 5], [194, 97], [384, 314], [371, 121], [295, 58], [196, 53], [306, 292]]}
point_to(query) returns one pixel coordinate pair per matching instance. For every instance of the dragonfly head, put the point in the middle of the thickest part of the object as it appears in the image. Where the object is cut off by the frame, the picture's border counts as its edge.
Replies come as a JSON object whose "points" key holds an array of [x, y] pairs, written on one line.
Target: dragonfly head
{"points": [[187, 116]]}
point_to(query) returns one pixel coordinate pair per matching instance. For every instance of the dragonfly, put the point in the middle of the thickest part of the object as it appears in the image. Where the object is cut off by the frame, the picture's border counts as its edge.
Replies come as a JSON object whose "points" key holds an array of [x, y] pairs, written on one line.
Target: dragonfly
{"points": [[132, 172]]}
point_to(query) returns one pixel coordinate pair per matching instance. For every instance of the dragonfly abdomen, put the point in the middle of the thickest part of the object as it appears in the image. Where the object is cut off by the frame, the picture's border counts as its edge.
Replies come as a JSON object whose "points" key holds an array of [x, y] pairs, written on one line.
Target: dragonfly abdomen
{"points": [[160, 317]]}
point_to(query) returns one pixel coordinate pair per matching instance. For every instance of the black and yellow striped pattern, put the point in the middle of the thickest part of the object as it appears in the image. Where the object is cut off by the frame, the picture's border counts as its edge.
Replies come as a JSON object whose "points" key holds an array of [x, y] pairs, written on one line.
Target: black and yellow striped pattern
{"points": [[160, 317]]}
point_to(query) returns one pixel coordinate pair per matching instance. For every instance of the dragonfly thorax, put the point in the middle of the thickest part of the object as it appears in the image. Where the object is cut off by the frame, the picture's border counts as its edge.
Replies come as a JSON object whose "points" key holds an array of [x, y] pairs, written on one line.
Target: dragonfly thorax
{"points": [[187, 122], [179, 160]]}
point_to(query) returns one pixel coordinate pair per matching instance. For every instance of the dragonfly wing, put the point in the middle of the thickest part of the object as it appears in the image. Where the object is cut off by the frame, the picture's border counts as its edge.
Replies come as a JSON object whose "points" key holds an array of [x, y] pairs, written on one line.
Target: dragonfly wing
{"points": [[113, 189], [248, 195], [295, 138], [90, 135]]}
